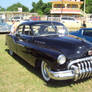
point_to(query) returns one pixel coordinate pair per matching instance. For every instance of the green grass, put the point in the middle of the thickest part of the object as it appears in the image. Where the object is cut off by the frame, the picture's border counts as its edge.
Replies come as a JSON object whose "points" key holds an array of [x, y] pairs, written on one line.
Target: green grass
{"points": [[18, 76]]}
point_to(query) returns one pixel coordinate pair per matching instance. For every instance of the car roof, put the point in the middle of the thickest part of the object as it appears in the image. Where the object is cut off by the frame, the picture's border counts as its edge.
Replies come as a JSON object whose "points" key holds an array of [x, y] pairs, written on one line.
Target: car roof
{"points": [[37, 22]]}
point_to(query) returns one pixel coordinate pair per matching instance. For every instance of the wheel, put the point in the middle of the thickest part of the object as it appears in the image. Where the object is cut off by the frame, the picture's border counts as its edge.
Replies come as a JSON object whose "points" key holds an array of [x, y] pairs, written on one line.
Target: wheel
{"points": [[11, 52], [44, 68]]}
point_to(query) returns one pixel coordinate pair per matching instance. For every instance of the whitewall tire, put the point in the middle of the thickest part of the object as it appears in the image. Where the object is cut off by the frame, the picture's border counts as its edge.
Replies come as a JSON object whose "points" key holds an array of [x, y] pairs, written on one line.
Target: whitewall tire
{"points": [[44, 68]]}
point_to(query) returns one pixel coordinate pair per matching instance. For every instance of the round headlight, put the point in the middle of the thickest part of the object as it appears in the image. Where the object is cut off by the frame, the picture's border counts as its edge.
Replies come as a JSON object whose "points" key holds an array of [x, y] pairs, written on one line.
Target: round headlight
{"points": [[61, 59]]}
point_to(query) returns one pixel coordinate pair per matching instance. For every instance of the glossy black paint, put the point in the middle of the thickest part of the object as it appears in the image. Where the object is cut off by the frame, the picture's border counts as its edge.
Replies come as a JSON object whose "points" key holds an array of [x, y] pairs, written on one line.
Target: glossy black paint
{"points": [[36, 48]]}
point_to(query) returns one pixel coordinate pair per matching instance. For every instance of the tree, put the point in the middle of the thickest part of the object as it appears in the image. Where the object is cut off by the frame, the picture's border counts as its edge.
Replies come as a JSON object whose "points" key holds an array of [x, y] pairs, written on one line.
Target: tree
{"points": [[88, 6], [41, 8], [37, 7], [15, 7], [2, 9], [47, 8]]}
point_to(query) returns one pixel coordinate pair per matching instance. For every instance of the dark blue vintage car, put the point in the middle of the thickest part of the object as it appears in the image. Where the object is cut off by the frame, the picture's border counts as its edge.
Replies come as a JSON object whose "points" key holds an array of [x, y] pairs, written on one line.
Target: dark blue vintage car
{"points": [[84, 33], [48, 46]]}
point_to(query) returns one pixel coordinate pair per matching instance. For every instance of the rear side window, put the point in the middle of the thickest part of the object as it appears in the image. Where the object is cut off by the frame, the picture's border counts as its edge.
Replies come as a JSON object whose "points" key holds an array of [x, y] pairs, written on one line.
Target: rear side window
{"points": [[24, 30], [20, 30], [87, 33], [27, 30]]}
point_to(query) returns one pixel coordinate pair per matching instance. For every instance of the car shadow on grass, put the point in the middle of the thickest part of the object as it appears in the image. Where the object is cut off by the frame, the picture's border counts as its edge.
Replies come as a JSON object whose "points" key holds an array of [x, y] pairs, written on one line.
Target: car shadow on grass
{"points": [[65, 83], [52, 84]]}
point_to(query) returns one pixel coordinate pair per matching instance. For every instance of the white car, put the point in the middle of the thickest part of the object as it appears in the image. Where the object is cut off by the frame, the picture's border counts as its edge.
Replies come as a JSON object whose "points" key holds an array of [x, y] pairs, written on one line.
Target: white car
{"points": [[17, 18], [71, 22], [69, 19], [4, 27]]}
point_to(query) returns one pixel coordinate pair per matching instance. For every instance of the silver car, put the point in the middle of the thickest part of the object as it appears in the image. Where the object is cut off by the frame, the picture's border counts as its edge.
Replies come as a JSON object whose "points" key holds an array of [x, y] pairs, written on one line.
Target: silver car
{"points": [[4, 27]]}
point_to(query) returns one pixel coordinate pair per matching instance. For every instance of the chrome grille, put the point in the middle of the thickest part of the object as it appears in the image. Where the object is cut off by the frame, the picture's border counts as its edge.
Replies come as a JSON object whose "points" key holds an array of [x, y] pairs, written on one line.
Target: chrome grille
{"points": [[84, 67]]}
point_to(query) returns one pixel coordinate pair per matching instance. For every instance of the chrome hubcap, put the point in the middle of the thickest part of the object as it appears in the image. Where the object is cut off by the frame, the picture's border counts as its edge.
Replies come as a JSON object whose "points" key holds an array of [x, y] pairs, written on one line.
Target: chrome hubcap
{"points": [[44, 70]]}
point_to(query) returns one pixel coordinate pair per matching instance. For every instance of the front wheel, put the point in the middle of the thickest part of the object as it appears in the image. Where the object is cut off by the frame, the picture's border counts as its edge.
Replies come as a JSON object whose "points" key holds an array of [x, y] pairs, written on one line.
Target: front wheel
{"points": [[44, 71]]}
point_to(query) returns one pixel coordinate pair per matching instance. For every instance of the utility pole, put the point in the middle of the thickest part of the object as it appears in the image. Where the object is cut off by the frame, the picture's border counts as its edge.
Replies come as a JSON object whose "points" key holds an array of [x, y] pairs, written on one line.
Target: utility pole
{"points": [[84, 7]]}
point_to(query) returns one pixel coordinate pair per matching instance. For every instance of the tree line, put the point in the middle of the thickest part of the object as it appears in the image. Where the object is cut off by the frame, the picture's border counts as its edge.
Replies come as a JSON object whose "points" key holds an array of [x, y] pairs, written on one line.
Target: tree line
{"points": [[42, 8]]}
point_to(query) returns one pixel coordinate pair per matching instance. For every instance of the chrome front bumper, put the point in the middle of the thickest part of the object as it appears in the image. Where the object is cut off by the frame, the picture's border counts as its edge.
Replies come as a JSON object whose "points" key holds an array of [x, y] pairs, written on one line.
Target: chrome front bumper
{"points": [[62, 75], [77, 69]]}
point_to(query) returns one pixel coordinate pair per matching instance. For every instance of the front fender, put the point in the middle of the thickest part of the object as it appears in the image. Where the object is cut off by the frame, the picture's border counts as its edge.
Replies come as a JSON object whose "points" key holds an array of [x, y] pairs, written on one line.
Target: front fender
{"points": [[42, 52]]}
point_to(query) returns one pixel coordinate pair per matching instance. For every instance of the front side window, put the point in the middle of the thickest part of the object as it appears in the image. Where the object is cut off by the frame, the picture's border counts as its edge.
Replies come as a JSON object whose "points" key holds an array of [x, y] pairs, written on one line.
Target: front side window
{"points": [[87, 33], [68, 18]]}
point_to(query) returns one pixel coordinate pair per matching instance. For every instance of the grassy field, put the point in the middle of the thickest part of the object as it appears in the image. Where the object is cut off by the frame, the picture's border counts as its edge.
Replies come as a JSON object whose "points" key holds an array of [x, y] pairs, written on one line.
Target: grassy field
{"points": [[18, 76]]}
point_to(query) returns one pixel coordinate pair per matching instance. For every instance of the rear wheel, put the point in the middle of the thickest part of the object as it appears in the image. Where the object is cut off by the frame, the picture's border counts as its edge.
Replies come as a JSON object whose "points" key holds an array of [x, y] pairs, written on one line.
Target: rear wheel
{"points": [[44, 71]]}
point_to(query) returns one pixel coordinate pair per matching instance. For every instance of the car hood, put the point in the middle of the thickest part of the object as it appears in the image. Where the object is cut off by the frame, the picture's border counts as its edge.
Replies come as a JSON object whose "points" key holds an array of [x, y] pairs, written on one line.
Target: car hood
{"points": [[70, 46]]}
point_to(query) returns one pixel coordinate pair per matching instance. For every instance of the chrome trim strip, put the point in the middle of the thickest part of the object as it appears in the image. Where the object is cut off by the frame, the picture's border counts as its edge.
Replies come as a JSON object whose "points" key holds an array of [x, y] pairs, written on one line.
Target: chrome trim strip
{"points": [[89, 68], [79, 60], [79, 71], [83, 69]]}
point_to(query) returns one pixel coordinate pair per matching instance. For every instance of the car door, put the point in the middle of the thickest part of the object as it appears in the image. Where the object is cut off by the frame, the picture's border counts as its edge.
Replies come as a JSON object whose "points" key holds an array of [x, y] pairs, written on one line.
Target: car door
{"points": [[25, 44], [19, 42], [87, 33]]}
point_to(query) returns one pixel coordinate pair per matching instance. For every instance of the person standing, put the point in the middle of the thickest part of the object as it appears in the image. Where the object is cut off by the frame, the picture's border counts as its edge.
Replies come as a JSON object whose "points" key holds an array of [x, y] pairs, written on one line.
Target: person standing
{"points": [[14, 26], [84, 25]]}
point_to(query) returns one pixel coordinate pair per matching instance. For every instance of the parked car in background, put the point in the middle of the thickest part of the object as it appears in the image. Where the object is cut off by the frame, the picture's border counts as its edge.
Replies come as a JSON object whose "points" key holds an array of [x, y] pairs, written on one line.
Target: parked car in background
{"points": [[4, 27], [48, 46], [35, 18], [69, 20], [16, 18], [84, 33]]}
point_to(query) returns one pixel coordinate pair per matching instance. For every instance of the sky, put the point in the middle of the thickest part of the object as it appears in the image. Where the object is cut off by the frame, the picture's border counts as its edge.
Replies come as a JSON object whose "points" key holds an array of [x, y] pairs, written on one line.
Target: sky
{"points": [[28, 3]]}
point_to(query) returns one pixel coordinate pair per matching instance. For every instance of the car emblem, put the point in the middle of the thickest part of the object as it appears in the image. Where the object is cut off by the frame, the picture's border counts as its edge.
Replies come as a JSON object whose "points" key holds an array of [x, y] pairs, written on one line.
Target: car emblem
{"points": [[90, 52]]}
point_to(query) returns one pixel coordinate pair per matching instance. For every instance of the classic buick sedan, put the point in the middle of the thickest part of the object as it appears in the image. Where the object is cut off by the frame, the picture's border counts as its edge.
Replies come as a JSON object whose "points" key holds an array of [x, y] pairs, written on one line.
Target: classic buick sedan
{"points": [[47, 45], [84, 33]]}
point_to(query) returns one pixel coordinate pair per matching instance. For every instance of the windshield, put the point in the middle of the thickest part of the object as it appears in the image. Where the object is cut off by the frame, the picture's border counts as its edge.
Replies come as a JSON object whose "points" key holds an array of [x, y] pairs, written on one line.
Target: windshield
{"points": [[49, 29], [68, 19]]}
